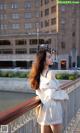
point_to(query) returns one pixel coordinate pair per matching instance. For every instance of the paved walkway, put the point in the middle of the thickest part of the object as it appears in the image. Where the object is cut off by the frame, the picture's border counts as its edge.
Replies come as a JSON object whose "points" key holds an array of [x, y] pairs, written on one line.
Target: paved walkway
{"points": [[75, 124]]}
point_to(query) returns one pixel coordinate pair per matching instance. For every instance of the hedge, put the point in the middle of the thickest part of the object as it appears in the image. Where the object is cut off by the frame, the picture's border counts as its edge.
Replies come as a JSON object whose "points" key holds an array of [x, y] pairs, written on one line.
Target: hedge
{"points": [[61, 76]]}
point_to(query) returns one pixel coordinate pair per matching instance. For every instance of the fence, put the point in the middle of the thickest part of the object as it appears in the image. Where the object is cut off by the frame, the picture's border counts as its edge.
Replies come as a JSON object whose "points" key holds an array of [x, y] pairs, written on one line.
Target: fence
{"points": [[22, 119]]}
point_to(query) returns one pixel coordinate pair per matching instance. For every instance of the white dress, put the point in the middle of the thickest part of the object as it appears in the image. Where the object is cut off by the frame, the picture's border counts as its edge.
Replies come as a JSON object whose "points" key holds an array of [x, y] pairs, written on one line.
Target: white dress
{"points": [[50, 111]]}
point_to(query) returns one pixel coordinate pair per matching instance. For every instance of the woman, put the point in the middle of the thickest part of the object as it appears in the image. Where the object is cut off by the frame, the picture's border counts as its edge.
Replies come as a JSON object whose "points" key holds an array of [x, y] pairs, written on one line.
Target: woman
{"points": [[48, 89]]}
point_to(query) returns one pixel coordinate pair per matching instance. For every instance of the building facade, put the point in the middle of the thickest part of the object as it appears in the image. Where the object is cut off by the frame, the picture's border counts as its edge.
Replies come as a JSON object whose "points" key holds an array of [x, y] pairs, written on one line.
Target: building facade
{"points": [[26, 24]]}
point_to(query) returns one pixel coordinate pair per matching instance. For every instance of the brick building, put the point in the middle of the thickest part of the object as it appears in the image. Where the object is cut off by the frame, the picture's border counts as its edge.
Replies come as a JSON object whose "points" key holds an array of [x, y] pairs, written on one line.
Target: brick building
{"points": [[26, 24]]}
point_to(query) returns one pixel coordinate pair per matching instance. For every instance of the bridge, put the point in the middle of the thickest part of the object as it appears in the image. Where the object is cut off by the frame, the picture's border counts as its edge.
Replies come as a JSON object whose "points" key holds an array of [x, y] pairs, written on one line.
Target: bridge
{"points": [[22, 118]]}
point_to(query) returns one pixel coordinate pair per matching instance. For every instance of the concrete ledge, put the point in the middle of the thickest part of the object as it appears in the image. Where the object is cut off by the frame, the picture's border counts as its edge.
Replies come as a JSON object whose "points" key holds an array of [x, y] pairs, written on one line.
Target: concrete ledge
{"points": [[15, 84]]}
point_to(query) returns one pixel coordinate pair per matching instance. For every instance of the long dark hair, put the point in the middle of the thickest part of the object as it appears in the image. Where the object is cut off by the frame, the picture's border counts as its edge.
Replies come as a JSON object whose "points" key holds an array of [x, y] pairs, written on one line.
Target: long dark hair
{"points": [[37, 68]]}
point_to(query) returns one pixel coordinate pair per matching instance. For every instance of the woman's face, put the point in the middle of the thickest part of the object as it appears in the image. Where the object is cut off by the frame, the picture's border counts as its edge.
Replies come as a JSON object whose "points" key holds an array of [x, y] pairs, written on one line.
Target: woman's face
{"points": [[49, 60]]}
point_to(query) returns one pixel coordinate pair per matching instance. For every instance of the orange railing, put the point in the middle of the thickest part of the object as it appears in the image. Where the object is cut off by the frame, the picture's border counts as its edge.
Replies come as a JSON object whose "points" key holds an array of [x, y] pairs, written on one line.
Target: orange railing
{"points": [[13, 113]]}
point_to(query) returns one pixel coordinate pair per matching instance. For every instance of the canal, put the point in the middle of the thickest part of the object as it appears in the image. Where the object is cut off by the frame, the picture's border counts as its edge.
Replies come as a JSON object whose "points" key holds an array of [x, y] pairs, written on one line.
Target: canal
{"points": [[11, 99]]}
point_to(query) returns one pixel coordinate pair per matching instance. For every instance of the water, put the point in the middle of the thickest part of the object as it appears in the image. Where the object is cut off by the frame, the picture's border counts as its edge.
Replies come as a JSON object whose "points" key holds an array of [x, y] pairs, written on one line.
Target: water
{"points": [[11, 99]]}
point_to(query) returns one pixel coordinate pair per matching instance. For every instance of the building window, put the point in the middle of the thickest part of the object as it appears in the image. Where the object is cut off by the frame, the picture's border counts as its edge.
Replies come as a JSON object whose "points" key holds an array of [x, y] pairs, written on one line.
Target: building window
{"points": [[3, 16], [3, 6], [14, 5], [46, 12], [32, 50], [37, 25], [53, 9], [28, 15], [15, 16], [28, 26], [6, 51], [63, 45], [37, 14], [21, 51], [27, 4], [3, 26], [46, 23], [53, 21], [41, 13], [20, 42], [41, 24], [41, 41], [15, 26], [33, 41], [73, 34], [37, 3], [46, 1], [4, 42], [48, 41]]}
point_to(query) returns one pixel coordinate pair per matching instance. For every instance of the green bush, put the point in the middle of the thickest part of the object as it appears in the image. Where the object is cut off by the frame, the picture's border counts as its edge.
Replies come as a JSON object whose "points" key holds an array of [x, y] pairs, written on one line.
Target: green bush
{"points": [[11, 74], [59, 76], [72, 77], [62, 76], [4, 74], [22, 75], [67, 76], [17, 74]]}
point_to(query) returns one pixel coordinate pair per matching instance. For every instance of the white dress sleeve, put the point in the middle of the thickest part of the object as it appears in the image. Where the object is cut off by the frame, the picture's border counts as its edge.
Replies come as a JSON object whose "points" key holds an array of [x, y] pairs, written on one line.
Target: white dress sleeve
{"points": [[45, 95], [54, 91]]}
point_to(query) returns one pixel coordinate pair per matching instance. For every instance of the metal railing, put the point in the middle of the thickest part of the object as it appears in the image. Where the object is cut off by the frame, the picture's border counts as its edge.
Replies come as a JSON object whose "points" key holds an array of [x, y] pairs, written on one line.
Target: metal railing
{"points": [[22, 118]]}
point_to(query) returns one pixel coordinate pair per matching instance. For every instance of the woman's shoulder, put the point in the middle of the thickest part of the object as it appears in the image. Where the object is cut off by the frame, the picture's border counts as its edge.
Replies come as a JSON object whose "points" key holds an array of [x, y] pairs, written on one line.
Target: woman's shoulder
{"points": [[51, 74]]}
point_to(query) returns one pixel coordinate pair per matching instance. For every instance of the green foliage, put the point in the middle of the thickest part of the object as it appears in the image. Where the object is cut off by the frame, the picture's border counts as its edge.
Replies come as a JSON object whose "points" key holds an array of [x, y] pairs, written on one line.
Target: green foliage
{"points": [[72, 77], [20, 74], [58, 76], [4, 74], [67, 76], [11, 74]]}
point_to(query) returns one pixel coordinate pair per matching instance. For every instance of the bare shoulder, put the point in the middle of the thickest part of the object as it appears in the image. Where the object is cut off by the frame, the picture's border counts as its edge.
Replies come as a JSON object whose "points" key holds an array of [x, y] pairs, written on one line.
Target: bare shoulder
{"points": [[51, 74]]}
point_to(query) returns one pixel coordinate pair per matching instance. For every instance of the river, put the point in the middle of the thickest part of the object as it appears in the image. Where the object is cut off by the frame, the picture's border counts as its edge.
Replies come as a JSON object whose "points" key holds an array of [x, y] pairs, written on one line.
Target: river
{"points": [[11, 99]]}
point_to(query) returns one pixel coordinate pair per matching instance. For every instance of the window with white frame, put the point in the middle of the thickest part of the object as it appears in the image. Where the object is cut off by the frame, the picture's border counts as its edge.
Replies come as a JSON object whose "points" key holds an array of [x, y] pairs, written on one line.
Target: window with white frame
{"points": [[37, 13], [15, 26], [28, 15], [37, 3], [15, 16], [28, 26], [14, 5], [3, 6], [27, 4], [3, 26], [3, 16]]}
